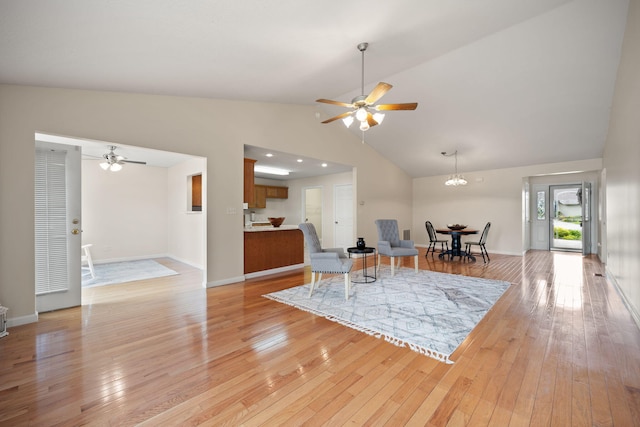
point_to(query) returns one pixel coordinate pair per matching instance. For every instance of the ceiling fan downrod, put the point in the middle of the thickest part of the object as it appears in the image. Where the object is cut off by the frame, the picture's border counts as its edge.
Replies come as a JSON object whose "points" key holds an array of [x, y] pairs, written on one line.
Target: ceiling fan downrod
{"points": [[362, 47]]}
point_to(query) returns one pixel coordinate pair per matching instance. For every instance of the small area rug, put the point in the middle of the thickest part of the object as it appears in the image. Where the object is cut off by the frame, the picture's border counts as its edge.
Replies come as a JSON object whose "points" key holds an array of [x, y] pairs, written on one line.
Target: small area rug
{"points": [[125, 271], [429, 312]]}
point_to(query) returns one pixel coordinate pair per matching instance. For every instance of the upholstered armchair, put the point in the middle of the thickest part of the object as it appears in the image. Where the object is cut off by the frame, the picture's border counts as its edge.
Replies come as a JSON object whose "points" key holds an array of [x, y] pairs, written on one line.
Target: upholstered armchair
{"points": [[330, 260], [389, 243]]}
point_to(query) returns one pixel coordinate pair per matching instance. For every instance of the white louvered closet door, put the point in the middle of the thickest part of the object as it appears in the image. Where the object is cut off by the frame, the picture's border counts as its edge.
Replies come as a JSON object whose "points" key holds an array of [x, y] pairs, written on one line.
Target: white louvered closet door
{"points": [[57, 226]]}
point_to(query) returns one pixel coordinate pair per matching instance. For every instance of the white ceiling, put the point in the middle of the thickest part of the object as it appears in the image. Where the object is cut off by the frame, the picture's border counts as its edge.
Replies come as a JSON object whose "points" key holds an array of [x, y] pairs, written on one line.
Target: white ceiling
{"points": [[505, 82]]}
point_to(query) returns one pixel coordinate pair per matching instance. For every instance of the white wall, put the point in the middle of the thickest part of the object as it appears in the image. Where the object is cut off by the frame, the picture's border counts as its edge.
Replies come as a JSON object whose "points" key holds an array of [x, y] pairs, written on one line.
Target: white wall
{"points": [[186, 230], [621, 157], [213, 129], [291, 208], [327, 182], [493, 195], [124, 214]]}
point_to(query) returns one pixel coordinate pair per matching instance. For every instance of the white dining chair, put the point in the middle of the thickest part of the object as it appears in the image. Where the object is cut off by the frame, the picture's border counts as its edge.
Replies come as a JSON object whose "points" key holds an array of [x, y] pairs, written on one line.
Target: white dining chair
{"points": [[85, 258]]}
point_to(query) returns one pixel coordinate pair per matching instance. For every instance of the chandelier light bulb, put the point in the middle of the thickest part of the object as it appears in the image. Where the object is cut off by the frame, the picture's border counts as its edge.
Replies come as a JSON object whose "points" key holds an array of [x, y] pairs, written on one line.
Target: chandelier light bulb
{"points": [[378, 117], [361, 114]]}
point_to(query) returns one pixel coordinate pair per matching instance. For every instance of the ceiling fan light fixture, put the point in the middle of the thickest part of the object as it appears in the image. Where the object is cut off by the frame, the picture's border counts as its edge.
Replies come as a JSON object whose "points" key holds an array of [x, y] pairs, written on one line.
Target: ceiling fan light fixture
{"points": [[378, 117], [364, 125], [104, 165], [361, 114], [115, 167], [347, 121]]}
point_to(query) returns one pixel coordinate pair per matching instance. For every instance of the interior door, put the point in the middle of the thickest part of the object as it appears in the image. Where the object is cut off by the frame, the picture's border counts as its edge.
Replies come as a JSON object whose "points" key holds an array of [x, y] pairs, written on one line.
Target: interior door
{"points": [[57, 226], [312, 207], [343, 216]]}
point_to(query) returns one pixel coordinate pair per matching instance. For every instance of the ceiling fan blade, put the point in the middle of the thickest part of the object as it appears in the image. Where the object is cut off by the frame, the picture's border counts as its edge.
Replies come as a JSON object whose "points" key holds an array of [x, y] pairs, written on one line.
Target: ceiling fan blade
{"points": [[372, 122], [133, 161], [407, 106], [338, 117], [328, 101], [377, 92]]}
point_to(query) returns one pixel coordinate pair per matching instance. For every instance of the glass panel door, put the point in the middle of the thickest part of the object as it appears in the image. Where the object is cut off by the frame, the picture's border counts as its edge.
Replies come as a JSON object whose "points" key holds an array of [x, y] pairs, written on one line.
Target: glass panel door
{"points": [[566, 217]]}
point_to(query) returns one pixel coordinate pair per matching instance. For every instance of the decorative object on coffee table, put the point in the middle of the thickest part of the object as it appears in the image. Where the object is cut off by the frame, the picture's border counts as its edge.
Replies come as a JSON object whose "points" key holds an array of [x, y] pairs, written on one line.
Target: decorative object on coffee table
{"points": [[361, 244]]}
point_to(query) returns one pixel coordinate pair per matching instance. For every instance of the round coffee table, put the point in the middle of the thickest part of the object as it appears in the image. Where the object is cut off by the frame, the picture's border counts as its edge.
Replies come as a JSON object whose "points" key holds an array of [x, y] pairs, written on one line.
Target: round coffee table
{"points": [[365, 252]]}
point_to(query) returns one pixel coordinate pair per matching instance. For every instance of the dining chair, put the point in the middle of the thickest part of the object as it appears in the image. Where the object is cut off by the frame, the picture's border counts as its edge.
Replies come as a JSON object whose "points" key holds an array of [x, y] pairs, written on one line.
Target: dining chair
{"points": [[433, 240], [85, 258], [328, 260], [480, 243], [389, 243]]}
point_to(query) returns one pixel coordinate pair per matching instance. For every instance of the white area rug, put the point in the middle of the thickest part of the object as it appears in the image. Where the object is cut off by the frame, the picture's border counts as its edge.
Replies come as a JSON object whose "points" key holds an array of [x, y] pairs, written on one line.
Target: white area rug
{"points": [[430, 312], [126, 271]]}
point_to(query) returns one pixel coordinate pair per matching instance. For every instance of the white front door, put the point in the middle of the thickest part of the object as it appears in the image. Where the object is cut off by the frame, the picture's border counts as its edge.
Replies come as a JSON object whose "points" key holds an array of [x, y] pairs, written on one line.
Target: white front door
{"points": [[539, 217], [343, 206], [58, 226]]}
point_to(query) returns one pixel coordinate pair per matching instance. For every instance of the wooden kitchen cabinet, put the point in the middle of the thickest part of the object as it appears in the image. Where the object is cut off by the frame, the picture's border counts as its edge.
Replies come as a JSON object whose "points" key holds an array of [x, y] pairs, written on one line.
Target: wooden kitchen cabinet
{"points": [[249, 187], [260, 197], [274, 192], [265, 250]]}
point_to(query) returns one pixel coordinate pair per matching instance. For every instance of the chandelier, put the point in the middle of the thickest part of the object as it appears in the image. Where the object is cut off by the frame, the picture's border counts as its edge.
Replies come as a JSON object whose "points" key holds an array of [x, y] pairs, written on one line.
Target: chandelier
{"points": [[455, 179]]}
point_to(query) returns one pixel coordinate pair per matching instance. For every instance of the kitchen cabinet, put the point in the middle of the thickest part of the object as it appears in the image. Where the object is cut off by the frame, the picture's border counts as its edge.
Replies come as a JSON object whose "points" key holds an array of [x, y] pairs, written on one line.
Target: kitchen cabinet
{"points": [[274, 192], [260, 197], [265, 250], [249, 187]]}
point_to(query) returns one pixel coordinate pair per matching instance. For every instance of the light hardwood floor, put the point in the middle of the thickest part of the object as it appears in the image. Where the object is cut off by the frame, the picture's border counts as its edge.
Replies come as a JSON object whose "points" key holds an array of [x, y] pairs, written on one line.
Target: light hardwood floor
{"points": [[559, 348]]}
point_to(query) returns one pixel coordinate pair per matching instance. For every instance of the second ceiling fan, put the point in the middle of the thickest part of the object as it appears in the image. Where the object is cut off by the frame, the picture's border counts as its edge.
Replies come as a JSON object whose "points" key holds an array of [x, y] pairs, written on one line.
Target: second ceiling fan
{"points": [[364, 108]]}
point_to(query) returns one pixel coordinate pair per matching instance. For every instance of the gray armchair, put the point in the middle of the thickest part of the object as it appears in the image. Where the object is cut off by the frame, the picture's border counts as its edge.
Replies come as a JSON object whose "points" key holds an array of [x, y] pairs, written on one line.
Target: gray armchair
{"points": [[331, 260], [389, 243]]}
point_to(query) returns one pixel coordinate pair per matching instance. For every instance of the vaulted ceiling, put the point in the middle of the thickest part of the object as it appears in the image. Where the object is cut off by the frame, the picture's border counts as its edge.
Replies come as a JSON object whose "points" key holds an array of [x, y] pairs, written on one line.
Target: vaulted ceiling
{"points": [[505, 82]]}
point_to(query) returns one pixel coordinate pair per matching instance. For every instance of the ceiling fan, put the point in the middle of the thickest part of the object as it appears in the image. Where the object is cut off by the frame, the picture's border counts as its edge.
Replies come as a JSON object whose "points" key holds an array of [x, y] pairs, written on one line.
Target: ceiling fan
{"points": [[364, 108], [114, 162]]}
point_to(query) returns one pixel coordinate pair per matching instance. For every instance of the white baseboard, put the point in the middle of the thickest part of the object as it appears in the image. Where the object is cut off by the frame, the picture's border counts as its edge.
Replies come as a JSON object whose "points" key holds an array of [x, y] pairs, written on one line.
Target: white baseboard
{"points": [[22, 320], [225, 281], [273, 271], [184, 261], [253, 275], [634, 313], [133, 258], [491, 251]]}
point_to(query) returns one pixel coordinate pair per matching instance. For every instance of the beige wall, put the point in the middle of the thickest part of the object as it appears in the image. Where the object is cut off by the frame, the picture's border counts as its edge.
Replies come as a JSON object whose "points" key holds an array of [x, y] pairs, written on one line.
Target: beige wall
{"points": [[621, 161], [213, 129], [493, 195], [124, 214], [187, 230]]}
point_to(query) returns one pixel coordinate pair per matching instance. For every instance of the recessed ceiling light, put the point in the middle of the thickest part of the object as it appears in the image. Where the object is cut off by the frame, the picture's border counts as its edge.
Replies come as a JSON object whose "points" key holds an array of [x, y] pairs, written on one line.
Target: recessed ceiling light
{"points": [[299, 160], [324, 165], [269, 155]]}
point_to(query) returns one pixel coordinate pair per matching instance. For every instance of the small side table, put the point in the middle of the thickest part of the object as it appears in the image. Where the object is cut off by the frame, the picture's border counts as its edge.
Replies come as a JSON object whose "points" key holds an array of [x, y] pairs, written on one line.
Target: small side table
{"points": [[364, 252]]}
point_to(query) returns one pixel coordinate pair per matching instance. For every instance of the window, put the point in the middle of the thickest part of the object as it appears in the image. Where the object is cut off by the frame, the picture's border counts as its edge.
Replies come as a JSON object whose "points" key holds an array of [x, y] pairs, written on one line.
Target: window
{"points": [[541, 205]]}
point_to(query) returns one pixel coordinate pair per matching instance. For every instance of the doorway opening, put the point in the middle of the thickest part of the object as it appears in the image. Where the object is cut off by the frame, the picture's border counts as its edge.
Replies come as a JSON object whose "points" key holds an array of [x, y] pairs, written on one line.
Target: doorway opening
{"points": [[140, 211], [566, 231]]}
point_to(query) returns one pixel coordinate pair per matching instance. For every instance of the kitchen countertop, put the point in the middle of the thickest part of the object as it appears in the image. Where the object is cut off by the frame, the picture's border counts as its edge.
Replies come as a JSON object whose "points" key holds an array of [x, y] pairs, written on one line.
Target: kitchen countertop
{"points": [[270, 228]]}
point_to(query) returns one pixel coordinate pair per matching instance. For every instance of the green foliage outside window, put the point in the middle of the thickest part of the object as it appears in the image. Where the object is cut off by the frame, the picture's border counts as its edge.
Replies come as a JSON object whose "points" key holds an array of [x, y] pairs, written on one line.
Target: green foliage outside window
{"points": [[564, 234]]}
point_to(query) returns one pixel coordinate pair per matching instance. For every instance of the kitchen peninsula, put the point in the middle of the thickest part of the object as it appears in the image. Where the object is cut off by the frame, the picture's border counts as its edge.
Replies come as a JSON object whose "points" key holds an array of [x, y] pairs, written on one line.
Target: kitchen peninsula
{"points": [[267, 248]]}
